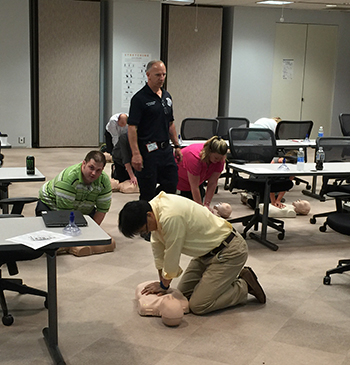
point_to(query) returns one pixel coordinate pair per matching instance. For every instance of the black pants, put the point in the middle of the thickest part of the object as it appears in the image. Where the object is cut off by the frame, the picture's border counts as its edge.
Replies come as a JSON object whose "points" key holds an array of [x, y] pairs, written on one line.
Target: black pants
{"points": [[188, 194], [159, 167]]}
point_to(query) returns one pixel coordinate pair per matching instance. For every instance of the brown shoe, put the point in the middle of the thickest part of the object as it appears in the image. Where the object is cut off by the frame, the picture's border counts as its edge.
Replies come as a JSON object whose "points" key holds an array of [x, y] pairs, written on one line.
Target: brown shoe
{"points": [[254, 288]]}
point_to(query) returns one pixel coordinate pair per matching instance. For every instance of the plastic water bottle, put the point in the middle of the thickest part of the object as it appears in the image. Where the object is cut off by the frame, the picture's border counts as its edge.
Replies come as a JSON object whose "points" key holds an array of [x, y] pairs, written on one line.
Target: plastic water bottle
{"points": [[180, 139], [300, 160], [71, 229], [320, 157], [307, 139], [320, 132]]}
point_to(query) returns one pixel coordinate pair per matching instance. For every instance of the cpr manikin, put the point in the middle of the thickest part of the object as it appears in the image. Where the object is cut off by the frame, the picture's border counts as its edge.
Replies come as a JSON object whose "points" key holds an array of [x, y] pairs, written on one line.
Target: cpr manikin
{"points": [[299, 207], [170, 306], [223, 210]]}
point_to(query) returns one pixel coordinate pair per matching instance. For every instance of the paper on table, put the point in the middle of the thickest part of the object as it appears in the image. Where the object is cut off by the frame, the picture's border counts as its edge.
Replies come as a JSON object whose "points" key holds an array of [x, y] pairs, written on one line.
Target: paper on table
{"points": [[38, 239]]}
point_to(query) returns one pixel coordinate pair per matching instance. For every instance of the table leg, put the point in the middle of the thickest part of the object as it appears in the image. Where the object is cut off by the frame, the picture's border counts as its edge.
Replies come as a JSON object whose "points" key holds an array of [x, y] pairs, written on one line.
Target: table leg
{"points": [[51, 332], [262, 238], [312, 193], [4, 195]]}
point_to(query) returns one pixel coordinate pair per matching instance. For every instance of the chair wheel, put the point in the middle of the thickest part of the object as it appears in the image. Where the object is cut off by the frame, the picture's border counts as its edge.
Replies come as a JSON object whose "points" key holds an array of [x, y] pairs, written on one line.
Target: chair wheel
{"points": [[308, 187], [323, 229], [327, 280], [7, 320], [313, 220], [281, 236]]}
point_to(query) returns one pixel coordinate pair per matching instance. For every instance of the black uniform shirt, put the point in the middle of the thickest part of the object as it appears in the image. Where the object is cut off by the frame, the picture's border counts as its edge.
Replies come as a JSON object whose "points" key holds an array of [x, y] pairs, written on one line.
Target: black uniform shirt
{"points": [[151, 114]]}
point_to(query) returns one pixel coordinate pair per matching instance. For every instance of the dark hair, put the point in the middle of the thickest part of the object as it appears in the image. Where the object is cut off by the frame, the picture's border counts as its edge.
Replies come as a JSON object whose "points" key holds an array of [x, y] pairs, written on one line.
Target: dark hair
{"points": [[133, 216], [97, 156]]}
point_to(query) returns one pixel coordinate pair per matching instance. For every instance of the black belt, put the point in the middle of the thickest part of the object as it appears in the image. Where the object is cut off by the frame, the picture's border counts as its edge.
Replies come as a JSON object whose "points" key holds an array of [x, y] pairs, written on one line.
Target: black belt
{"points": [[223, 244], [163, 144]]}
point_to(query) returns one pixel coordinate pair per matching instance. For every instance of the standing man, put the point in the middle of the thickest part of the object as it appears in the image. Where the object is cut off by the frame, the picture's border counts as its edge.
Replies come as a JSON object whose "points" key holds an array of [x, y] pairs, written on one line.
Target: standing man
{"points": [[150, 125], [84, 187], [215, 278]]}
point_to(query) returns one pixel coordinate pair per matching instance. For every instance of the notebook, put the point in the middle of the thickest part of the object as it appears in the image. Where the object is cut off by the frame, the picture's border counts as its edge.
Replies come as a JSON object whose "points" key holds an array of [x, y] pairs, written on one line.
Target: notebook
{"points": [[60, 218]]}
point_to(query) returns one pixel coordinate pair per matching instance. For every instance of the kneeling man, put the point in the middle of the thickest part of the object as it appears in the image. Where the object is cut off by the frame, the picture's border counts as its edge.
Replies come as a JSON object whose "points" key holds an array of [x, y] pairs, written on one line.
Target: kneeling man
{"points": [[216, 277]]}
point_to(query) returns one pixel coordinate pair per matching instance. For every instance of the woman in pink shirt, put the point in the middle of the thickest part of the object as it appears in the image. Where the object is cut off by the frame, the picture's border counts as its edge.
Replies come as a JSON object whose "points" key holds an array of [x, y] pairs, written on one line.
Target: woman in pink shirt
{"points": [[201, 162]]}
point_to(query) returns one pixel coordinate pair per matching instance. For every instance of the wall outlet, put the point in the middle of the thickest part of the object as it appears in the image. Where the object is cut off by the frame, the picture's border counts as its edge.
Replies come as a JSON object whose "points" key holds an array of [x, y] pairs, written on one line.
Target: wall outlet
{"points": [[21, 140]]}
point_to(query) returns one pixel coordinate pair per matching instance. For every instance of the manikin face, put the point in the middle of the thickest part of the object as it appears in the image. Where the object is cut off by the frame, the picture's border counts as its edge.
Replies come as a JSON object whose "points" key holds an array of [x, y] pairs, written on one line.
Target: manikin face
{"points": [[156, 76], [91, 171], [223, 210], [301, 207]]}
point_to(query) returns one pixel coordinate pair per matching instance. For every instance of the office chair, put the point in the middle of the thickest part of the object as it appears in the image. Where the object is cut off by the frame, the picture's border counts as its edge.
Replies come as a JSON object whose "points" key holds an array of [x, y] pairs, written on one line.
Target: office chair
{"points": [[344, 120], [255, 145], [10, 258], [339, 222], [198, 128], [225, 123], [337, 149], [287, 129]]}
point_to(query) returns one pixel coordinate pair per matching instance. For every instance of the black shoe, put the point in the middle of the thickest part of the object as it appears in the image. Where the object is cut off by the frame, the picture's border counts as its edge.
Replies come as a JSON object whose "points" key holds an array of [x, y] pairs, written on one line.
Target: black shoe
{"points": [[146, 236], [254, 288]]}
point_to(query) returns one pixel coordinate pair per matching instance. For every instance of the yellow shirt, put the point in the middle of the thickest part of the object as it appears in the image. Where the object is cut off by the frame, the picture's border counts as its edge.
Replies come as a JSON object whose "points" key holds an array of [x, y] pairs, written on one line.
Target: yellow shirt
{"points": [[183, 226]]}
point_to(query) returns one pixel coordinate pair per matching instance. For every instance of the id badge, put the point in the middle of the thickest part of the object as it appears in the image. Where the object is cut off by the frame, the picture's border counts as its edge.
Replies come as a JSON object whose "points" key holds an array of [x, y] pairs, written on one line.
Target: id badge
{"points": [[152, 147]]}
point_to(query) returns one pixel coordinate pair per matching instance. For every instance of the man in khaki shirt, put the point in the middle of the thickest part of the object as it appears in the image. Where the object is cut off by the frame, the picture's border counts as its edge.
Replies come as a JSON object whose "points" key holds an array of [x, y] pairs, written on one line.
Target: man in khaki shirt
{"points": [[215, 278]]}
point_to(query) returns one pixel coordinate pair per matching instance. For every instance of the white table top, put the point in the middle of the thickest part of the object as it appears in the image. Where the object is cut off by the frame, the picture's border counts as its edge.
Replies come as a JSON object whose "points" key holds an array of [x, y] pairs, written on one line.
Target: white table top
{"points": [[270, 170], [92, 234], [19, 174], [287, 143]]}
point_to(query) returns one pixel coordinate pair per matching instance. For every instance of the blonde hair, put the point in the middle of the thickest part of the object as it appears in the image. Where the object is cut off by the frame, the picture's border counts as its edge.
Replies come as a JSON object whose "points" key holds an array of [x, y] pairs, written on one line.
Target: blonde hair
{"points": [[213, 145]]}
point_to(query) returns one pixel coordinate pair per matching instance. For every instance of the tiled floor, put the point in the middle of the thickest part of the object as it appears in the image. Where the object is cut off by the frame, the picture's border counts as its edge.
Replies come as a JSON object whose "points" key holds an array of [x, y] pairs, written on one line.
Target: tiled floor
{"points": [[303, 321]]}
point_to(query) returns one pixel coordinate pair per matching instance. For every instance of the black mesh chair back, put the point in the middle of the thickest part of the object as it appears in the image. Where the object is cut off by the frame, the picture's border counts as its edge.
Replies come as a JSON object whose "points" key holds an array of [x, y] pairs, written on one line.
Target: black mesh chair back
{"points": [[252, 144], [225, 123], [336, 149], [199, 128], [287, 129], [344, 120]]}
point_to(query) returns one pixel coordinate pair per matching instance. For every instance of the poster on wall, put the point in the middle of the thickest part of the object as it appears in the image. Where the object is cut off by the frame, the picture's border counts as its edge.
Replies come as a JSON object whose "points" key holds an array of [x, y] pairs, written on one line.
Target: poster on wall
{"points": [[133, 75], [287, 69]]}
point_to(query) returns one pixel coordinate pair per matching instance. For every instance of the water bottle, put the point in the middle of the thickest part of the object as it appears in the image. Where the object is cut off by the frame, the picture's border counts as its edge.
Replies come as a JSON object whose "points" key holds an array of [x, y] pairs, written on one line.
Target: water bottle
{"points": [[320, 132], [320, 157], [300, 160], [71, 229], [307, 139], [180, 140]]}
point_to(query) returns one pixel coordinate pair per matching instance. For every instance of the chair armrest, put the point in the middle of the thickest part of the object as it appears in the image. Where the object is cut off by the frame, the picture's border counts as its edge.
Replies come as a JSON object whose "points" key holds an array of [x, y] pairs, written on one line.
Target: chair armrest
{"points": [[339, 195]]}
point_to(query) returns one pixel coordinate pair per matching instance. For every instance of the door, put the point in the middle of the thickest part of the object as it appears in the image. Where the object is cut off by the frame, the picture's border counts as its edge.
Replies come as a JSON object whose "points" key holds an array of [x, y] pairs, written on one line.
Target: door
{"points": [[304, 72]]}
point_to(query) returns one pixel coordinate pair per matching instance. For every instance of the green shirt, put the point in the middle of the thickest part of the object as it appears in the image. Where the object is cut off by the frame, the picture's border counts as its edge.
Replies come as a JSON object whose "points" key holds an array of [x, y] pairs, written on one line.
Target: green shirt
{"points": [[67, 191]]}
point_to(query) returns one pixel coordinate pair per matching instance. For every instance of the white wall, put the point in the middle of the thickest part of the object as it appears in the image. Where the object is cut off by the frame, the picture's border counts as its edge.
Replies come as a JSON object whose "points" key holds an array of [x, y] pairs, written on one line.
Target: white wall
{"points": [[15, 110], [136, 28], [252, 59]]}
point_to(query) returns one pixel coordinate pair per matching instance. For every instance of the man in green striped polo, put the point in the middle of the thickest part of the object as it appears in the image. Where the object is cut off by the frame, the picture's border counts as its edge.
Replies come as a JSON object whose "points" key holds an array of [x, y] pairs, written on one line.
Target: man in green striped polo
{"points": [[84, 187]]}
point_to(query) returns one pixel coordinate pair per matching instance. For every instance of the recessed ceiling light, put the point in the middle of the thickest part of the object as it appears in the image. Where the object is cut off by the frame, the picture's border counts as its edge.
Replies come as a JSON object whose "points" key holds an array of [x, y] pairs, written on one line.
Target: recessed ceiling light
{"points": [[272, 2]]}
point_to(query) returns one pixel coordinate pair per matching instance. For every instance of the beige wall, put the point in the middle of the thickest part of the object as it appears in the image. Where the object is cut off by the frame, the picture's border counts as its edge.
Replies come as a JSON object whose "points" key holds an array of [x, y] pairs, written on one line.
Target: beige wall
{"points": [[69, 38], [194, 61]]}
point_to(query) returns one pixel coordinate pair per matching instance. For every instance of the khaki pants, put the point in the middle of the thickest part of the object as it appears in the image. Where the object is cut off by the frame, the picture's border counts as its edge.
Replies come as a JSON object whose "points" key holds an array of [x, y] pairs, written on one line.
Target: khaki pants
{"points": [[212, 283]]}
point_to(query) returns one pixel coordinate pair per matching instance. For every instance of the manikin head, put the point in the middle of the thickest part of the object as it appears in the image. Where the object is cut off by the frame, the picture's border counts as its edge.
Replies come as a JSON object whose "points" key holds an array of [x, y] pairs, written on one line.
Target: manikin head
{"points": [[301, 207], [223, 210], [171, 311]]}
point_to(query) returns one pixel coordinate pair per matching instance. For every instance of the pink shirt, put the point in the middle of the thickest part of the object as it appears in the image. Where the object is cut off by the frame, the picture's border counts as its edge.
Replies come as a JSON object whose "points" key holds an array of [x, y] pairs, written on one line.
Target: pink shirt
{"points": [[192, 163]]}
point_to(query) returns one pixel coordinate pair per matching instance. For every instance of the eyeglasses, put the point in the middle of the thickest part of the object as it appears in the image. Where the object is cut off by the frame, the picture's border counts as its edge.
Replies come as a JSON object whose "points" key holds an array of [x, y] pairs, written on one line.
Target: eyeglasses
{"points": [[143, 231]]}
